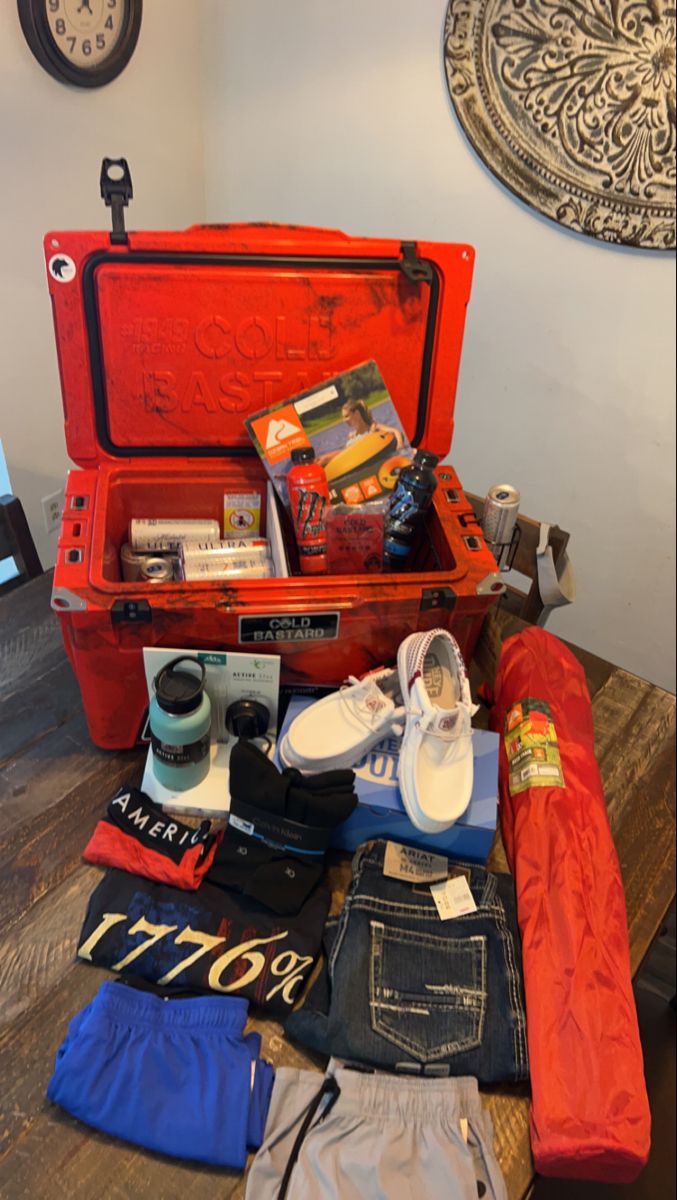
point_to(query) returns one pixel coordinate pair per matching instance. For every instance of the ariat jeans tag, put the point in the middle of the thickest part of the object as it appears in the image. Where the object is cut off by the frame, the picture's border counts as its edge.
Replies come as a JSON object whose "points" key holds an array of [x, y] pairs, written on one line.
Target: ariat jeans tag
{"points": [[412, 865]]}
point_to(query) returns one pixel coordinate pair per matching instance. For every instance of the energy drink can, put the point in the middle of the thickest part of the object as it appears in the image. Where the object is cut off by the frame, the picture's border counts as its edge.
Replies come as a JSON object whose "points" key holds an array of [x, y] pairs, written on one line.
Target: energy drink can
{"points": [[156, 570], [225, 551], [501, 509], [243, 568], [202, 557], [160, 534]]}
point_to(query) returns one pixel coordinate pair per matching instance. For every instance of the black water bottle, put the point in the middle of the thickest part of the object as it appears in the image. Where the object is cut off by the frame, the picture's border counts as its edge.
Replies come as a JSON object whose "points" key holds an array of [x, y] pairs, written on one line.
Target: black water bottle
{"points": [[411, 498]]}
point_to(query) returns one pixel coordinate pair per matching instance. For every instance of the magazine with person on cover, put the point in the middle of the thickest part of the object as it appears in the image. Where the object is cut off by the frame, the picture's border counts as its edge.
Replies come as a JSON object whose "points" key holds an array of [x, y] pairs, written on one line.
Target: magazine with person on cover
{"points": [[353, 427]]}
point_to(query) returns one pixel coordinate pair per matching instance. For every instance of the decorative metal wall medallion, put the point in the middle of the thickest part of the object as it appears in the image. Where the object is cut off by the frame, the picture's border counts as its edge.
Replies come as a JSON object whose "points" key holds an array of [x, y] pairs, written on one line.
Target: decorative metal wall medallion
{"points": [[571, 103]]}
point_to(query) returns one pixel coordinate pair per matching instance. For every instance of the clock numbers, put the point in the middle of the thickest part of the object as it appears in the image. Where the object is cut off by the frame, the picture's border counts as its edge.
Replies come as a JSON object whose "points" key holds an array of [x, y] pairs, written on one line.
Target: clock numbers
{"points": [[85, 43], [85, 31]]}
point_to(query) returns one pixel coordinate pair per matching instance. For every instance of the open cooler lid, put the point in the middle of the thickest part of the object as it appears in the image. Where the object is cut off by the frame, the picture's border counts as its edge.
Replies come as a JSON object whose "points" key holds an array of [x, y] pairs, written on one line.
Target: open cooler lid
{"points": [[167, 341]]}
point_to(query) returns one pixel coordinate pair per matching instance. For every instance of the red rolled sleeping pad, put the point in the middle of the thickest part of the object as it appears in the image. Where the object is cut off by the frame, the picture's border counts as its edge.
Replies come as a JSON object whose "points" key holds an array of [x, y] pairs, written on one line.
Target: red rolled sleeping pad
{"points": [[590, 1114]]}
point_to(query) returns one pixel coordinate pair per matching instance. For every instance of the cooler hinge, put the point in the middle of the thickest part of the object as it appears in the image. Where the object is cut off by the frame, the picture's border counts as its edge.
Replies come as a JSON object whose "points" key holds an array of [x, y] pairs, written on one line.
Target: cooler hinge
{"points": [[137, 612], [417, 270], [116, 191]]}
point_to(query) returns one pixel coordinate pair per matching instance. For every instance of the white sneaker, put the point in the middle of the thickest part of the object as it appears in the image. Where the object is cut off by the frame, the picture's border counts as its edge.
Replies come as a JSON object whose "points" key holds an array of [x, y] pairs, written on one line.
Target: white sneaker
{"points": [[436, 759], [335, 732]]}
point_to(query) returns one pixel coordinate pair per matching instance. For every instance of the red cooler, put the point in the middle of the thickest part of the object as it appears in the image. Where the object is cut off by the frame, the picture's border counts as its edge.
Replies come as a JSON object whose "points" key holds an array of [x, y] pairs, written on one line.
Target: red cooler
{"points": [[166, 341]]}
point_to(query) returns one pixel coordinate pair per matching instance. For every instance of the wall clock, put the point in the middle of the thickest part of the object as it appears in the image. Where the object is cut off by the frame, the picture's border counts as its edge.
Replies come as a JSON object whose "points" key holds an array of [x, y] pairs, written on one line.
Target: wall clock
{"points": [[82, 42]]}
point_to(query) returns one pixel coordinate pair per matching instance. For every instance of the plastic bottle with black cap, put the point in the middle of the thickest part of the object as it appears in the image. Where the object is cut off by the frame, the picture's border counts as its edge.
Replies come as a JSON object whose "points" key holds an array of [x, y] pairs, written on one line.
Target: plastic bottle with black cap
{"points": [[180, 721], [308, 492], [410, 501]]}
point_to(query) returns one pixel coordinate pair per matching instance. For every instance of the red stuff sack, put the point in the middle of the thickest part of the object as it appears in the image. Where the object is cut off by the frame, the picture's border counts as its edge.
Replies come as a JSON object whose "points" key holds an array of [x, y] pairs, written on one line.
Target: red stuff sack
{"points": [[590, 1114]]}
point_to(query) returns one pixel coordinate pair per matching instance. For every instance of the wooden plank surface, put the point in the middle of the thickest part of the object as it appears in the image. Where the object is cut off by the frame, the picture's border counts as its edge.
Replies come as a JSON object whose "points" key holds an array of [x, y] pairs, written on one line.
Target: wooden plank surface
{"points": [[53, 786]]}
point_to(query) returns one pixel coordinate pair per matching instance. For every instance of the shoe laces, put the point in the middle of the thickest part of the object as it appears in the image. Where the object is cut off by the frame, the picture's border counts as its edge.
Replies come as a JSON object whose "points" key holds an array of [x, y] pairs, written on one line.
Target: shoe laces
{"points": [[426, 720], [360, 710]]}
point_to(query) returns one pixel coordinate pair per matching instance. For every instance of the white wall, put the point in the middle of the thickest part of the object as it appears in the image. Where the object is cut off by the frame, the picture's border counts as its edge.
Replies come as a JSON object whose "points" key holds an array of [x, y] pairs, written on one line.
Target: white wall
{"points": [[337, 114], [52, 140]]}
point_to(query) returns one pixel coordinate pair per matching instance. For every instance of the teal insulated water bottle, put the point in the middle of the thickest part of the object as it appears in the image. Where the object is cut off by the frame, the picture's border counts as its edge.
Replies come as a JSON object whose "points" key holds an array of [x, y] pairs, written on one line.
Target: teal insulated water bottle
{"points": [[180, 720]]}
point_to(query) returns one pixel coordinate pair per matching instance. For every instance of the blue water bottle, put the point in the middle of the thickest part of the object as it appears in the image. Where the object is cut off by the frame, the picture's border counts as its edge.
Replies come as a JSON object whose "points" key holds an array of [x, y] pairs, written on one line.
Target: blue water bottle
{"points": [[410, 500], [180, 721]]}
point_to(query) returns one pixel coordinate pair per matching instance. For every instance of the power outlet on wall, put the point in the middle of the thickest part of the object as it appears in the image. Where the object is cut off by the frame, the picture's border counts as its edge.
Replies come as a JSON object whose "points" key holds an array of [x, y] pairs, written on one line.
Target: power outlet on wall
{"points": [[52, 510]]}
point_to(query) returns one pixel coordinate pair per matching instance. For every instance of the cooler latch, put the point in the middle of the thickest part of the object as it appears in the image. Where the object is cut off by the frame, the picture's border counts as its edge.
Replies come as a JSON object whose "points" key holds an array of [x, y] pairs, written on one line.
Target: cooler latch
{"points": [[417, 270], [116, 191], [442, 597], [136, 611]]}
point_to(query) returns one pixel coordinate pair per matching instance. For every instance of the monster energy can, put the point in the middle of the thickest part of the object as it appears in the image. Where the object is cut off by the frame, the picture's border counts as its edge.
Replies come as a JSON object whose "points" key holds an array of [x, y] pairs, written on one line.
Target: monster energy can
{"points": [[501, 509]]}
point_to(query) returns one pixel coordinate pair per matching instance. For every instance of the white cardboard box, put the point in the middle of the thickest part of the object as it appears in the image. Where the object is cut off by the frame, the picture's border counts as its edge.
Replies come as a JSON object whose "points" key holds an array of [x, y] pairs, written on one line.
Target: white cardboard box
{"points": [[230, 676]]}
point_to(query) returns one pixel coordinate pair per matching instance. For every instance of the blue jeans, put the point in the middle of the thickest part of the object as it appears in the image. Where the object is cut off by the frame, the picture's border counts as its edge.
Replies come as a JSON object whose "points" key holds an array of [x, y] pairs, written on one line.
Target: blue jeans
{"points": [[404, 991]]}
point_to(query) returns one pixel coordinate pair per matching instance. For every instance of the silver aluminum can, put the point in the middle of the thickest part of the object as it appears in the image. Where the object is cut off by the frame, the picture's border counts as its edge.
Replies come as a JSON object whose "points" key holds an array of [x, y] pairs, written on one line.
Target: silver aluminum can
{"points": [[247, 568], [228, 545], [156, 570], [163, 534], [194, 554], [501, 509], [132, 563]]}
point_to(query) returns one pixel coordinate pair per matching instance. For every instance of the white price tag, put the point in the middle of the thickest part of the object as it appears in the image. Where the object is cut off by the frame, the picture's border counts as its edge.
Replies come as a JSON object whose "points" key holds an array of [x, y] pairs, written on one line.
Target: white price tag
{"points": [[453, 898], [412, 865]]}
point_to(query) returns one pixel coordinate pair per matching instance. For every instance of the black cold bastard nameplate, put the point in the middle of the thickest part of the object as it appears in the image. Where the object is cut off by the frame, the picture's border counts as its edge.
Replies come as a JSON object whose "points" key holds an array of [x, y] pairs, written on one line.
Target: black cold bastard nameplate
{"points": [[290, 627]]}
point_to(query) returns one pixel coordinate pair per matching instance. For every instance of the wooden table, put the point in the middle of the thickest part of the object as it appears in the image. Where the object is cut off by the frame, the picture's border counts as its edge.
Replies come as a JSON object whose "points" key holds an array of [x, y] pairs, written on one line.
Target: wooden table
{"points": [[53, 787]]}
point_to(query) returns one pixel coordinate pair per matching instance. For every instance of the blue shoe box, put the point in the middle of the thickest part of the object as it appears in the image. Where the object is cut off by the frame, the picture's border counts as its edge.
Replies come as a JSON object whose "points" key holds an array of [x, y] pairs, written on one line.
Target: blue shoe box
{"points": [[381, 813]]}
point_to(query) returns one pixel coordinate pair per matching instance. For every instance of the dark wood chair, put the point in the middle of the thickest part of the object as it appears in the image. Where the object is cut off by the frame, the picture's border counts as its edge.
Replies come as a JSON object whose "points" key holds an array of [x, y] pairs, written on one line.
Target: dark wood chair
{"points": [[527, 605], [16, 541]]}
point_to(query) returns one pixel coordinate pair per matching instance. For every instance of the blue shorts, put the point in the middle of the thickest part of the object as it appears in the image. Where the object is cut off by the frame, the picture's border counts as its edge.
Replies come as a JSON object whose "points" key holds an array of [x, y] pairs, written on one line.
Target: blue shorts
{"points": [[175, 1076]]}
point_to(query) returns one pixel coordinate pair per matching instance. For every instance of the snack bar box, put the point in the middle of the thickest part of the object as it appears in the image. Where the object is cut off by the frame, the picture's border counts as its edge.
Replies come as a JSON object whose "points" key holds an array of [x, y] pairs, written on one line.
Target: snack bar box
{"points": [[166, 341]]}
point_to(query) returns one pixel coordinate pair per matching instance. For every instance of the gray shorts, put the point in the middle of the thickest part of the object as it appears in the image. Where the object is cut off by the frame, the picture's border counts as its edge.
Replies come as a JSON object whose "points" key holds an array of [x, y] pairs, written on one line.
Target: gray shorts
{"points": [[381, 1137]]}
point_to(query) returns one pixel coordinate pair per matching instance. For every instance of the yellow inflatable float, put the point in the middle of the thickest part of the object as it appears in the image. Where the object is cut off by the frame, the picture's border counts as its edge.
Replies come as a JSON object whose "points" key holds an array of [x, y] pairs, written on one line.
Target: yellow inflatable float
{"points": [[363, 456]]}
